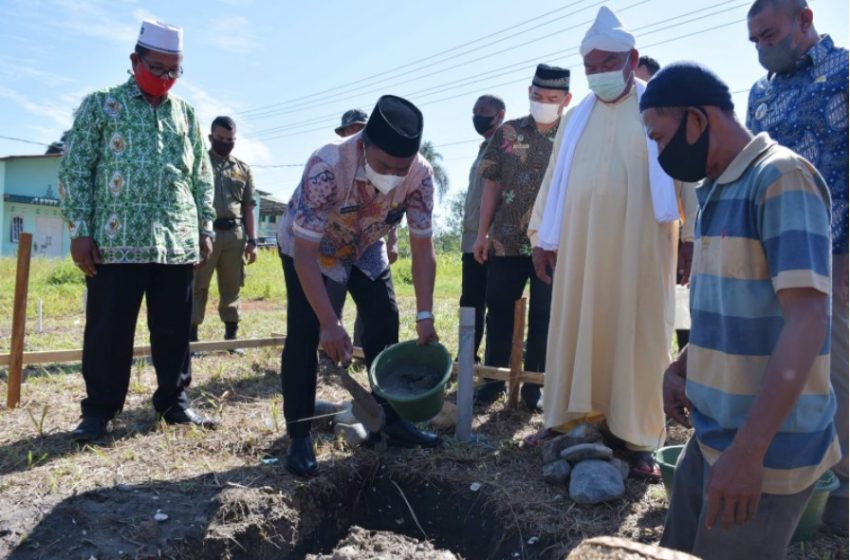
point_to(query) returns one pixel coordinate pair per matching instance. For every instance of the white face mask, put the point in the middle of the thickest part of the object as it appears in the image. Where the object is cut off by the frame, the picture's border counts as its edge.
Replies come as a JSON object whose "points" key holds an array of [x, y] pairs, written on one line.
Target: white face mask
{"points": [[545, 113], [608, 86], [384, 183]]}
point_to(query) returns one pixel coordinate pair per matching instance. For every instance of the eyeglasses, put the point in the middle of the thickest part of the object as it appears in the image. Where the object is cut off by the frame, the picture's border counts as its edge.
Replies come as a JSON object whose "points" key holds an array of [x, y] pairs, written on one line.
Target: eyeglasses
{"points": [[162, 72]]}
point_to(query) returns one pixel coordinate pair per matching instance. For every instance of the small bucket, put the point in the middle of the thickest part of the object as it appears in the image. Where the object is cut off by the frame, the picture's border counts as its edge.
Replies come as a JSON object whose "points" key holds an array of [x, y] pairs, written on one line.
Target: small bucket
{"points": [[423, 405]]}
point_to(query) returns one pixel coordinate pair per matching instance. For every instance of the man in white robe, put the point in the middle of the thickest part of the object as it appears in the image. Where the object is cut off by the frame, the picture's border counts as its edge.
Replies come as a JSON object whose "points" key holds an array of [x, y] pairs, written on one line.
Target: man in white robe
{"points": [[604, 217]]}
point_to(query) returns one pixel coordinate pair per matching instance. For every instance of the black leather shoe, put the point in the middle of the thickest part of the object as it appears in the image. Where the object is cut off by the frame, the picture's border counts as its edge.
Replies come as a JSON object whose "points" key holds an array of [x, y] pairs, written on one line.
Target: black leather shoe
{"points": [[488, 392], [301, 461], [89, 429], [402, 433], [531, 396], [189, 416]]}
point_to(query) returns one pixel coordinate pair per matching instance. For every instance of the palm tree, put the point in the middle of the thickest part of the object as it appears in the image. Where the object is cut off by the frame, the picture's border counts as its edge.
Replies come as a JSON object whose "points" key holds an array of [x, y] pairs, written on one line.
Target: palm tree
{"points": [[441, 178]]}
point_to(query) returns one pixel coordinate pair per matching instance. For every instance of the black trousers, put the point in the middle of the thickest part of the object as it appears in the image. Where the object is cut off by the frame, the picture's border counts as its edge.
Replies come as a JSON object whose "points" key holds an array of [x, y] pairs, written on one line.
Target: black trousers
{"points": [[376, 303], [473, 292], [506, 279], [112, 309]]}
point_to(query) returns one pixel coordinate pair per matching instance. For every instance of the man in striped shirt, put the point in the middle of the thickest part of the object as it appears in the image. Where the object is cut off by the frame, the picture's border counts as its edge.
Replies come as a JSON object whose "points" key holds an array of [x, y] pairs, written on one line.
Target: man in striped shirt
{"points": [[754, 380]]}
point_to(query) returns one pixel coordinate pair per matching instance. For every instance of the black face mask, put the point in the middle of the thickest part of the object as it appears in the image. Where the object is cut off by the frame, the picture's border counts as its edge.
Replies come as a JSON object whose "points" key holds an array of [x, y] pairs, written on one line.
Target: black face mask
{"points": [[683, 161], [482, 123], [222, 148]]}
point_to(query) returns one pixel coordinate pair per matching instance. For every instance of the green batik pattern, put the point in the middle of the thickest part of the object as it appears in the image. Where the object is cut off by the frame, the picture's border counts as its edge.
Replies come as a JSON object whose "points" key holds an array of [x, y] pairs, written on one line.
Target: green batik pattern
{"points": [[136, 178]]}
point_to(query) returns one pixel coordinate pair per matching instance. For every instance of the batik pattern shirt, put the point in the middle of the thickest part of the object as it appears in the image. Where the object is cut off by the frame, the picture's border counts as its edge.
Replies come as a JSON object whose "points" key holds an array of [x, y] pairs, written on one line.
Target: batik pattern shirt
{"points": [[806, 110], [516, 158], [336, 206], [137, 178]]}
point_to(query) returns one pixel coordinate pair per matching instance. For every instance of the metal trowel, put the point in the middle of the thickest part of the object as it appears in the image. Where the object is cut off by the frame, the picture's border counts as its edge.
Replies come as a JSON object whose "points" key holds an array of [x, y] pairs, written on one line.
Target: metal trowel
{"points": [[364, 406]]}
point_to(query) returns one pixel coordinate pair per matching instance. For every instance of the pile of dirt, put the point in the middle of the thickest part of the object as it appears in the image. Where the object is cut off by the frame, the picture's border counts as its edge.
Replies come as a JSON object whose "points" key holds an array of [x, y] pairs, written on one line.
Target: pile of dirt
{"points": [[361, 544]]}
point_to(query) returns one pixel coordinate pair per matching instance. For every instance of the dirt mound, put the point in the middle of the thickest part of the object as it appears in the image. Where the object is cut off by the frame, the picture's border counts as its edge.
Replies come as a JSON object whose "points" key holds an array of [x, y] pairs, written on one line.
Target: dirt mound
{"points": [[361, 544]]}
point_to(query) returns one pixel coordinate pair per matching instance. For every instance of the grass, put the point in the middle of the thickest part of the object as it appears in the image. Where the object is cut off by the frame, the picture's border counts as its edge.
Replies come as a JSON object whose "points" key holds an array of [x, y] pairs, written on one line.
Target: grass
{"points": [[40, 470]]}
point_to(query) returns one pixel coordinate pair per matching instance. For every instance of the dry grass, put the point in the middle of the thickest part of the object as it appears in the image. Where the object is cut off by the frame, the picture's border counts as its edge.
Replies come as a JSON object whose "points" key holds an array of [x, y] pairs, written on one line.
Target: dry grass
{"points": [[220, 479]]}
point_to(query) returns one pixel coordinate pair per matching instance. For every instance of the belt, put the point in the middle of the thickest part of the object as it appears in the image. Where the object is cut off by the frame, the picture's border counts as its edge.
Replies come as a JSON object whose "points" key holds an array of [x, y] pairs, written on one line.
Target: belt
{"points": [[226, 224]]}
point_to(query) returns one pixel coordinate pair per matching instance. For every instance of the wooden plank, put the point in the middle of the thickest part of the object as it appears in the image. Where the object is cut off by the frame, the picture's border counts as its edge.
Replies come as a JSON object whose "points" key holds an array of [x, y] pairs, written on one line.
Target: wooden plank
{"points": [[516, 352], [19, 321], [466, 364]]}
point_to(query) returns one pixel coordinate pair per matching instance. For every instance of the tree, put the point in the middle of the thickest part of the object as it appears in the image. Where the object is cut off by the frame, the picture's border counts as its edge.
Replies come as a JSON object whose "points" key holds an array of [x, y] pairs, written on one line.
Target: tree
{"points": [[441, 178]]}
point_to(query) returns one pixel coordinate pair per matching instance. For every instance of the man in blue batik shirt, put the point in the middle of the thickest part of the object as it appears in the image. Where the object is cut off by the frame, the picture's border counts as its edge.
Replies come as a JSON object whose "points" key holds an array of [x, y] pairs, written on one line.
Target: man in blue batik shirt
{"points": [[802, 104]]}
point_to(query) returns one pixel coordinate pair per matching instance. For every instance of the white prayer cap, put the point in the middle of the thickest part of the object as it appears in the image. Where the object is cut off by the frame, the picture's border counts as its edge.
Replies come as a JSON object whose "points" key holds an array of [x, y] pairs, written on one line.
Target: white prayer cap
{"points": [[161, 37], [607, 34]]}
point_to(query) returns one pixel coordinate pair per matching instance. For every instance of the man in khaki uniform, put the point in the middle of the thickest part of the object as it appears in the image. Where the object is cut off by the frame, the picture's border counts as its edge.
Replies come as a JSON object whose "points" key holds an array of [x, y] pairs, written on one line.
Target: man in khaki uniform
{"points": [[234, 228]]}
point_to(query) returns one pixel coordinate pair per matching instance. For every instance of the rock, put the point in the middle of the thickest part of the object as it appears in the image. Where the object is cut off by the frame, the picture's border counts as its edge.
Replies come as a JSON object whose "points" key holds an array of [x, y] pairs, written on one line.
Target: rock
{"points": [[352, 434], [616, 548], [475, 486], [557, 472], [325, 409], [446, 418], [584, 433], [594, 482], [621, 466], [585, 451]]}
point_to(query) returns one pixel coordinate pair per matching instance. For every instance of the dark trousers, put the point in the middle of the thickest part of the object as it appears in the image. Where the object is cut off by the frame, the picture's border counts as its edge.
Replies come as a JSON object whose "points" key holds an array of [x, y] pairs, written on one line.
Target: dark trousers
{"points": [[337, 292], [765, 536], [506, 278], [112, 309], [376, 303], [473, 293]]}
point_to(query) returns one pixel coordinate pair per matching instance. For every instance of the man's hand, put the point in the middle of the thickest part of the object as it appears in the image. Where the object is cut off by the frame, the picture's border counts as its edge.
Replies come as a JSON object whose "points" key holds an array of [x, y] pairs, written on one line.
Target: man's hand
{"points": [[426, 332], [686, 255], [481, 249], [734, 487], [206, 245], [543, 261], [336, 343], [85, 254], [392, 253], [676, 403], [250, 253]]}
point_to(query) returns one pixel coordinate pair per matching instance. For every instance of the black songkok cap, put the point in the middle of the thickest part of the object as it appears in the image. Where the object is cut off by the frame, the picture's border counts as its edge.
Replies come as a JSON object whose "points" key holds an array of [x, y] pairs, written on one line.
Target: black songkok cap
{"points": [[686, 84], [551, 77], [395, 126]]}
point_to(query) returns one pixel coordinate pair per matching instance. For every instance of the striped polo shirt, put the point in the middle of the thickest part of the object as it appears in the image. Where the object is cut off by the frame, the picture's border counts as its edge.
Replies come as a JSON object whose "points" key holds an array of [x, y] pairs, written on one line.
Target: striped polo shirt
{"points": [[763, 226]]}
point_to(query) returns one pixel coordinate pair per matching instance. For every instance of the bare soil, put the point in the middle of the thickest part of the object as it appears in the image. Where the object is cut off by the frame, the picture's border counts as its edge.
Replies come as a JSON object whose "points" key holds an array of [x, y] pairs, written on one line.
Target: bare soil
{"points": [[226, 494]]}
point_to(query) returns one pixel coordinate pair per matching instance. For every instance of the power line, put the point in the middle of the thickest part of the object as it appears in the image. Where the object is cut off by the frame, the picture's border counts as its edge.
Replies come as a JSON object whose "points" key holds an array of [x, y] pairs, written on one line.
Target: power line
{"points": [[385, 72], [25, 141]]}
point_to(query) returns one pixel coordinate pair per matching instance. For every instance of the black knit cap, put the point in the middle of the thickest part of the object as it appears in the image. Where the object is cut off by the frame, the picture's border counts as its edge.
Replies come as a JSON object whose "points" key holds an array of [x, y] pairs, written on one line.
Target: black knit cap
{"points": [[395, 126], [686, 84], [551, 77]]}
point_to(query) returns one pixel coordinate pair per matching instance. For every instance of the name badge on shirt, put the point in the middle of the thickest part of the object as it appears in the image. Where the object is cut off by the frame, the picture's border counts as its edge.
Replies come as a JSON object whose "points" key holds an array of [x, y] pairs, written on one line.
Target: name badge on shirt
{"points": [[349, 209]]}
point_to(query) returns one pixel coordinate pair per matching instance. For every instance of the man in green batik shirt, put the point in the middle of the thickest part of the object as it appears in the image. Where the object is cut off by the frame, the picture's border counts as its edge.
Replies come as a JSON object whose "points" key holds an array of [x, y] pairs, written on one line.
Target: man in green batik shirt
{"points": [[137, 194]]}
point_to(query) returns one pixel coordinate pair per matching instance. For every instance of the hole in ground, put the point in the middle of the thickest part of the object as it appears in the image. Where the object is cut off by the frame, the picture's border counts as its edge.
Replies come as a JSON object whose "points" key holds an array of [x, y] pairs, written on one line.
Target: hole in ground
{"points": [[452, 517]]}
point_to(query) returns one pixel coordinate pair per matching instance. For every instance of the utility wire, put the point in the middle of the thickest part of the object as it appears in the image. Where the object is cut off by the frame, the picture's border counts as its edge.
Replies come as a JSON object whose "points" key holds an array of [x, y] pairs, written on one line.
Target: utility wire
{"points": [[518, 67], [24, 141], [430, 57]]}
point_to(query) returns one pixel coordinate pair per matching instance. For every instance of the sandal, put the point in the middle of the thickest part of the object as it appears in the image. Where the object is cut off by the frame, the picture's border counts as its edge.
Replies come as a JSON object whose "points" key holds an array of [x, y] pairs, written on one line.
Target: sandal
{"points": [[540, 437], [642, 465]]}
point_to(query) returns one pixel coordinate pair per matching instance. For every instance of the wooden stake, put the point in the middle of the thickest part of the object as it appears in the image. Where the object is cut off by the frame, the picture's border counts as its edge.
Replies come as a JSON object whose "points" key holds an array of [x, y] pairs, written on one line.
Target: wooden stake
{"points": [[19, 321], [516, 352], [466, 365]]}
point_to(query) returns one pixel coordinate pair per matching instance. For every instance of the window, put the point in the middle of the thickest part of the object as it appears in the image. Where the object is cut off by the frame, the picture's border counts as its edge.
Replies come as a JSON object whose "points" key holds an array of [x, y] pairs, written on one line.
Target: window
{"points": [[17, 229]]}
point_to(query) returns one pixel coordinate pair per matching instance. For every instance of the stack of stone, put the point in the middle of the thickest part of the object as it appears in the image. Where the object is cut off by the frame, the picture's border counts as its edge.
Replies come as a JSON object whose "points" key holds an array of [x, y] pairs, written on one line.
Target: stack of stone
{"points": [[580, 460]]}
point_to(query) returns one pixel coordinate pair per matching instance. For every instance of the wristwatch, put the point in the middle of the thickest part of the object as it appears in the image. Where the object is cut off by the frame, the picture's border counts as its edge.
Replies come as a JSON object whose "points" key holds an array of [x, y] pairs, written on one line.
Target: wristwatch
{"points": [[252, 241], [424, 316]]}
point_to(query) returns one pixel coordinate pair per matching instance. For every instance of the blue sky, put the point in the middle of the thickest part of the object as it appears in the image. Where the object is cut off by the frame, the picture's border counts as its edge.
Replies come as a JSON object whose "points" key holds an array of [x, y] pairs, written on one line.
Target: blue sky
{"points": [[287, 70]]}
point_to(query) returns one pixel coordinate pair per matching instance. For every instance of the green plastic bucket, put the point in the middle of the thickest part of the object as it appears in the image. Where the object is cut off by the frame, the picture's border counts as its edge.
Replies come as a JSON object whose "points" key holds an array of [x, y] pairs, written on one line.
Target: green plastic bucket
{"points": [[807, 528], [666, 458], [812, 515], [422, 406]]}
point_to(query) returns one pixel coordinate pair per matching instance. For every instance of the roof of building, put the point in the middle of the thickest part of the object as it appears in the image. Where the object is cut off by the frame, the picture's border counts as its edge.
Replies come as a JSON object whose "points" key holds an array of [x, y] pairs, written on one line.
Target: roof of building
{"points": [[23, 199], [30, 156]]}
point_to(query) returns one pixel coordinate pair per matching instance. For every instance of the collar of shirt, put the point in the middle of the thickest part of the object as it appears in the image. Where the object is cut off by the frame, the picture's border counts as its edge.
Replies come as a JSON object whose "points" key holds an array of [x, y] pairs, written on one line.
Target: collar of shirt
{"points": [[745, 158], [229, 161]]}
